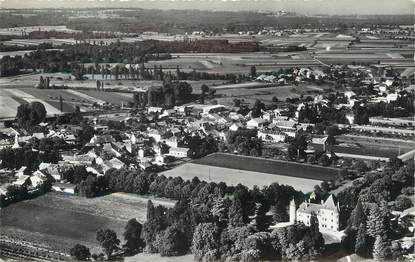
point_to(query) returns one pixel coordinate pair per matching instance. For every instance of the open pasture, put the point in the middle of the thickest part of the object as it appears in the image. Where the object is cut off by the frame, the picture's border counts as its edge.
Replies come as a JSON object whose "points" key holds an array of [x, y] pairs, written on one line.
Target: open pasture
{"points": [[11, 98], [269, 166], [236, 176], [58, 222], [21, 95], [109, 97], [249, 171], [8, 106], [249, 93]]}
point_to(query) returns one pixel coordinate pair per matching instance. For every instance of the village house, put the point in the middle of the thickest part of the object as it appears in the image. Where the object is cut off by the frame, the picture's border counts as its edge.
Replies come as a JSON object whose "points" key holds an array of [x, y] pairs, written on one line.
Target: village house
{"points": [[100, 128], [65, 188], [156, 134], [5, 142], [213, 109], [76, 159], [153, 109], [37, 179], [271, 136], [172, 141], [52, 169], [179, 152], [255, 123], [146, 165], [21, 180], [100, 140], [236, 126]]}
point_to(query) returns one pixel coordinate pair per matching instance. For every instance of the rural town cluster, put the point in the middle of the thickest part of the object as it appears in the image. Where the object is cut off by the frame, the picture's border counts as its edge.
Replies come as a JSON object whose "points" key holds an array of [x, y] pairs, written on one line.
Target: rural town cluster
{"points": [[132, 134]]}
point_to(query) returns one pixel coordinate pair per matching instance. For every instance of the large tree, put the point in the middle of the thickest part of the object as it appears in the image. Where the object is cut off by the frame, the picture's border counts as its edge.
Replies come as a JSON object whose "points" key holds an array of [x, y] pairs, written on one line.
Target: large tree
{"points": [[171, 242], [357, 217], [205, 90], [362, 245], [378, 221], [80, 252], [85, 134], [108, 240], [156, 223], [381, 248], [205, 242], [31, 114], [236, 214], [132, 236]]}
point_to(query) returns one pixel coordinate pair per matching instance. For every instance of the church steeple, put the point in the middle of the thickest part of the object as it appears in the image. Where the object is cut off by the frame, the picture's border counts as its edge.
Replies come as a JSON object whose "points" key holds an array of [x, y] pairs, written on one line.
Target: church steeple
{"points": [[16, 142]]}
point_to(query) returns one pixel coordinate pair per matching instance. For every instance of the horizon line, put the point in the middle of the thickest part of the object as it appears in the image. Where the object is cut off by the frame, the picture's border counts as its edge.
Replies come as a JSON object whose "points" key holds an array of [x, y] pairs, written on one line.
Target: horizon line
{"points": [[198, 9]]}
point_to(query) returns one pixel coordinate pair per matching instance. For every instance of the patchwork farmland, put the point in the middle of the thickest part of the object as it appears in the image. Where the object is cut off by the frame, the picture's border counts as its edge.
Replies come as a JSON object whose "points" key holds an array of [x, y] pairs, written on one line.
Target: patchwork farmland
{"points": [[250, 171]]}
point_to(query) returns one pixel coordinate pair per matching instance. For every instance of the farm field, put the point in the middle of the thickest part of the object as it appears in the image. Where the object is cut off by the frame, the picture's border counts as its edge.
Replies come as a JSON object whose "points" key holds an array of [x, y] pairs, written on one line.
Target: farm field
{"points": [[20, 96], [250, 95], [110, 97], [8, 106], [232, 62], [236, 176], [371, 146], [57, 222], [366, 150], [11, 98], [269, 166], [249, 171], [404, 145], [265, 94]]}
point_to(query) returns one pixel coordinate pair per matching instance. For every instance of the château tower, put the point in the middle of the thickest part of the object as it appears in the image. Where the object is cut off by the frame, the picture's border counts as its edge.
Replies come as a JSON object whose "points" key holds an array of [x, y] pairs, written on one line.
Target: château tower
{"points": [[293, 212]]}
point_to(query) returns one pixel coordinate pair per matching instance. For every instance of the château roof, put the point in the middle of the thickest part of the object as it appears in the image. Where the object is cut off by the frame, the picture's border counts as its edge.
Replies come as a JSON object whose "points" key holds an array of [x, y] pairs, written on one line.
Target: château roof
{"points": [[330, 204], [309, 208]]}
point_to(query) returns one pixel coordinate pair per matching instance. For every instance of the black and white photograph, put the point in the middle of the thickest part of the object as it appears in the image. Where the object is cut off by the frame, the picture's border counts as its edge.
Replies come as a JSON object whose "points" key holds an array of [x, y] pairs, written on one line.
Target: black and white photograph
{"points": [[207, 130]]}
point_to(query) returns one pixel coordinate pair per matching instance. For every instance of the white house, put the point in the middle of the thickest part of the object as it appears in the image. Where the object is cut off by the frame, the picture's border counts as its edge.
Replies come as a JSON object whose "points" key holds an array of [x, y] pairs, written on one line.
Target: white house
{"points": [[179, 152], [392, 97], [116, 163], [21, 180], [37, 179], [235, 127], [141, 153], [153, 109], [154, 133], [172, 141], [160, 159], [213, 109], [64, 188], [327, 214], [349, 94], [271, 136]]}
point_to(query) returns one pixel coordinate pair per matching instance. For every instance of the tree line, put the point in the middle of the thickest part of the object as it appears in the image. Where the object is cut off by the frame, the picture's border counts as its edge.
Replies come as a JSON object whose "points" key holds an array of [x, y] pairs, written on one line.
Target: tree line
{"points": [[370, 229]]}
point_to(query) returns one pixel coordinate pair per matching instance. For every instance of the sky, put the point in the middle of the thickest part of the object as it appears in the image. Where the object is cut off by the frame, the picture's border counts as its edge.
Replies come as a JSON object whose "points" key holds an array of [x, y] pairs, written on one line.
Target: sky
{"points": [[329, 7]]}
